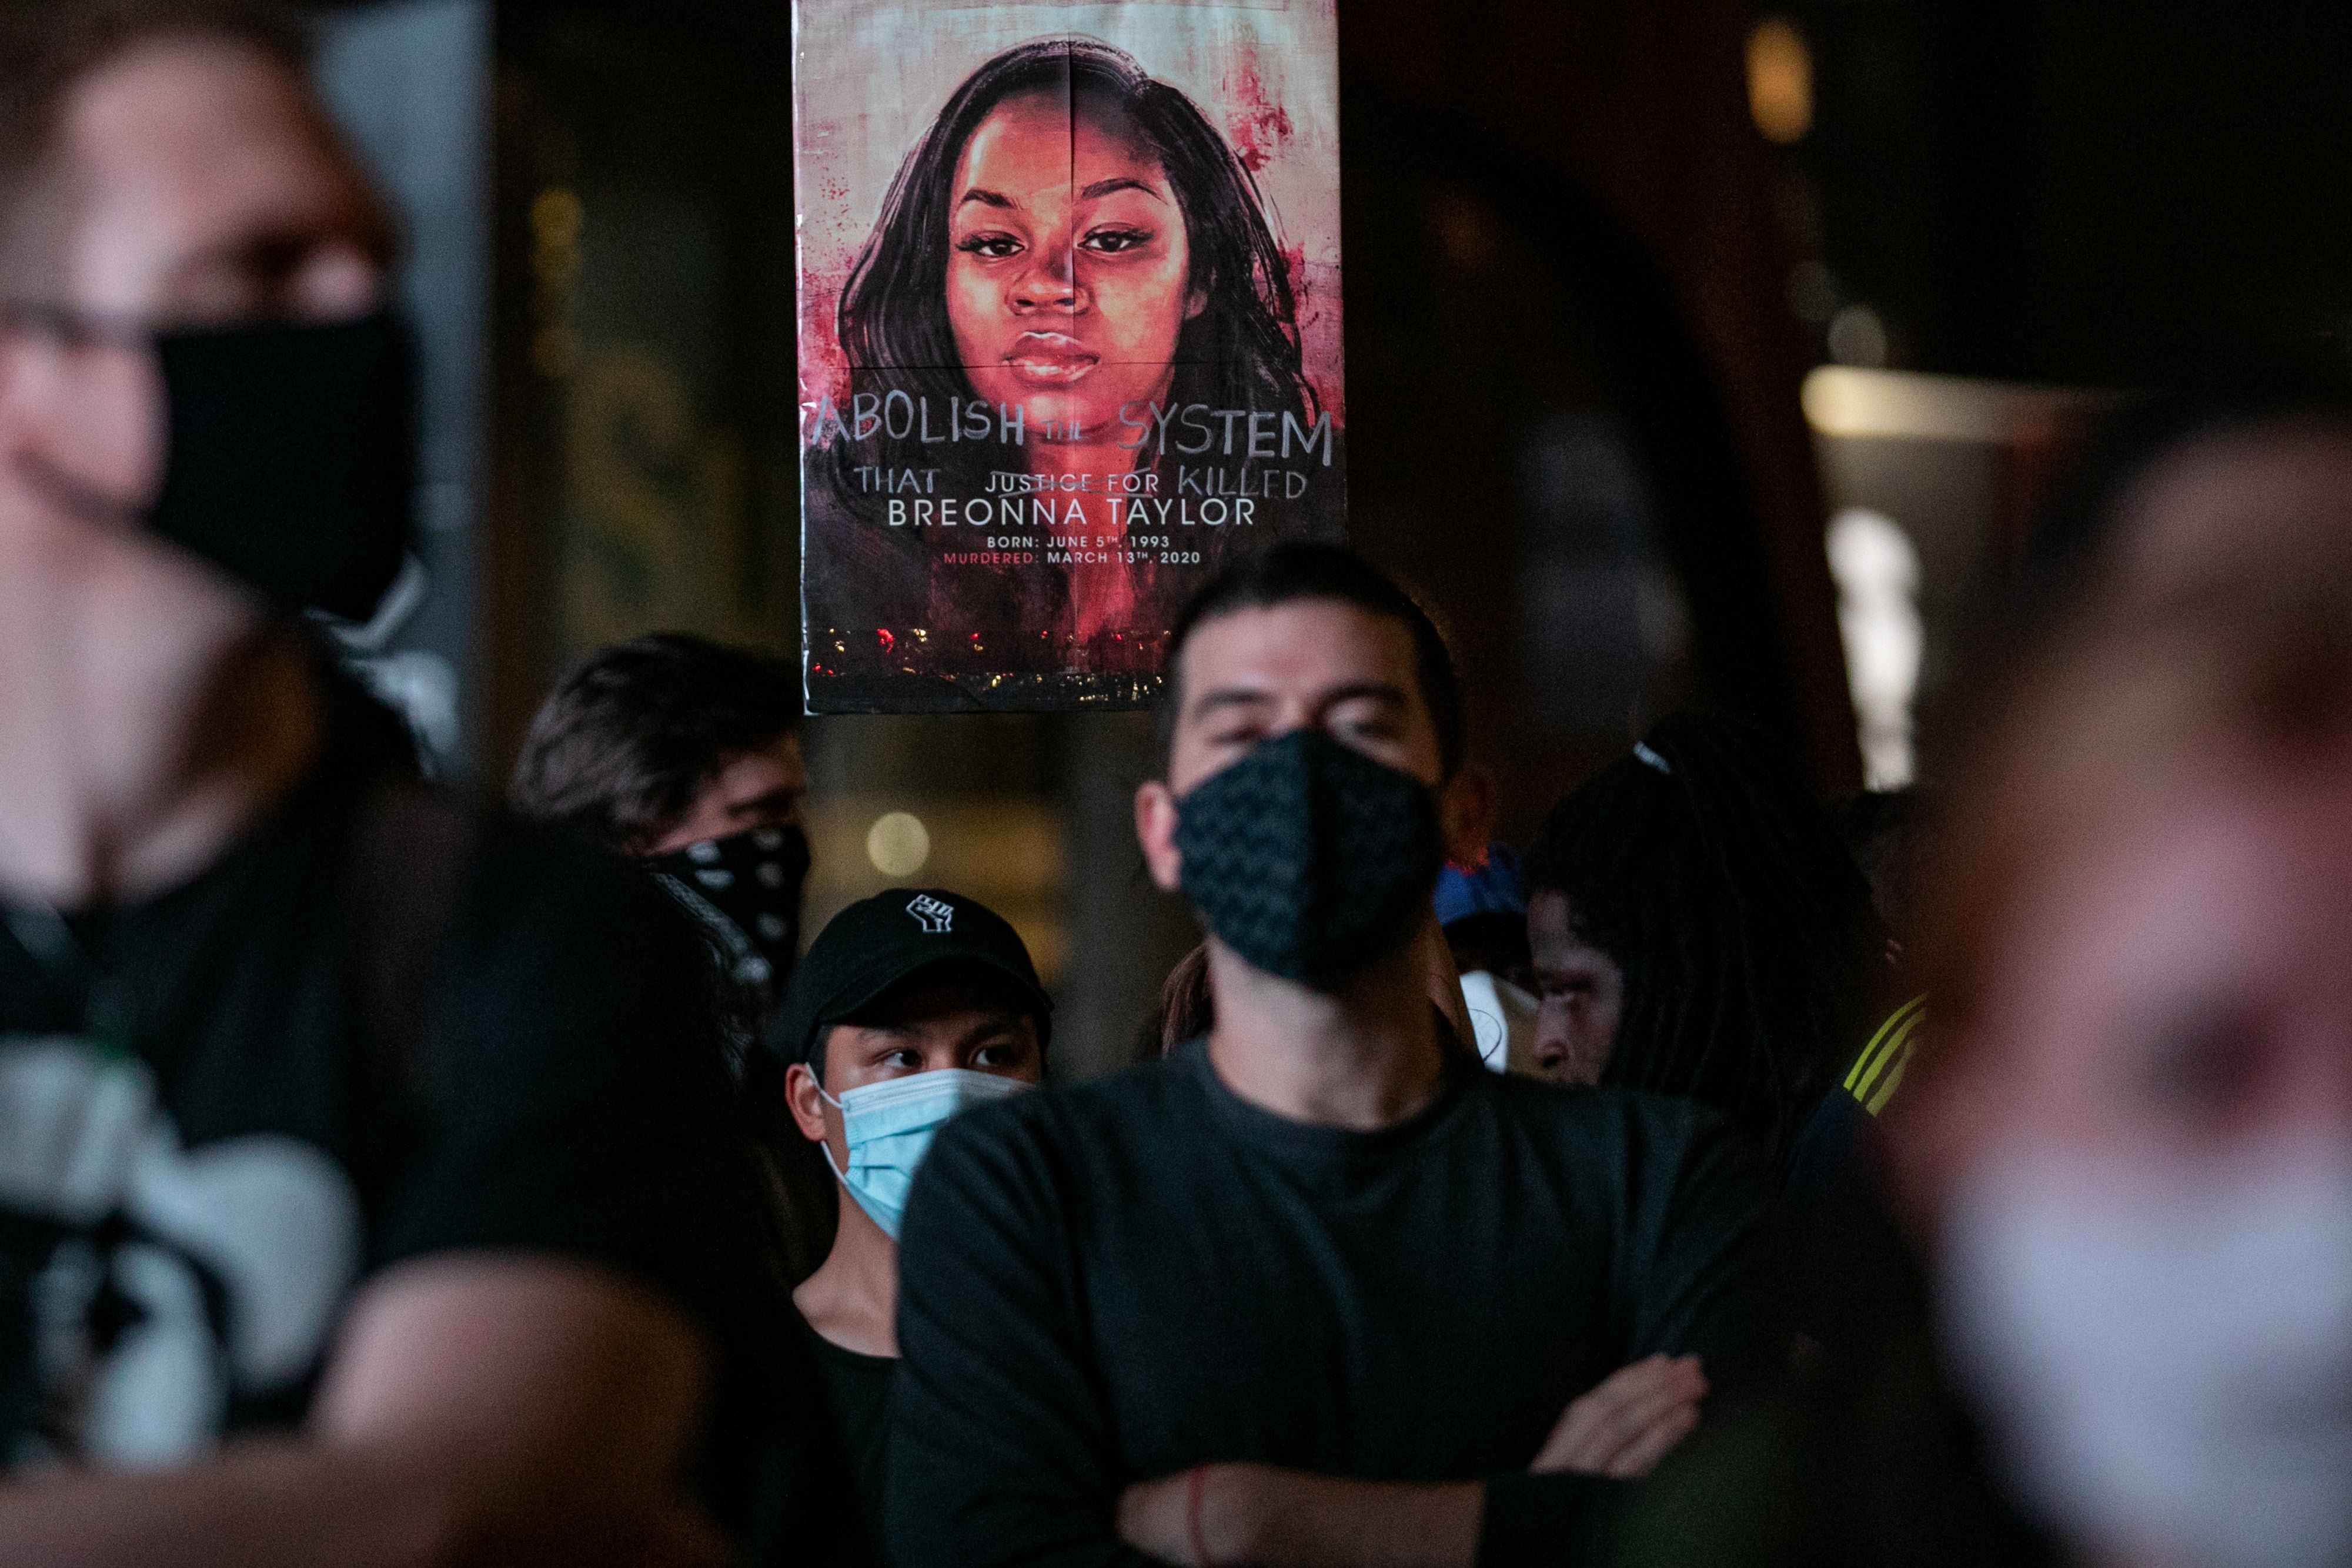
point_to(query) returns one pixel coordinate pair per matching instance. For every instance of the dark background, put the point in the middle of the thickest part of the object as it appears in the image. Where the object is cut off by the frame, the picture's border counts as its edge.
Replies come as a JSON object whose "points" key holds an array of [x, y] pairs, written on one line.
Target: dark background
{"points": [[1582, 292]]}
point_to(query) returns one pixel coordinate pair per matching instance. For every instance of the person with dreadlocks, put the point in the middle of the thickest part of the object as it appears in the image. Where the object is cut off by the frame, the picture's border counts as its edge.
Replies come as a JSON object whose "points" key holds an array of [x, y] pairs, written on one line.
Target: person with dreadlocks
{"points": [[1698, 930]]}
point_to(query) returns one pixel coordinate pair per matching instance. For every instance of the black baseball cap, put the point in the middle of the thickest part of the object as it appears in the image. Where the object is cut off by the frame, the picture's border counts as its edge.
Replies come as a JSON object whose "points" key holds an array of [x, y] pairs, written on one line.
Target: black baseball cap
{"points": [[877, 942]]}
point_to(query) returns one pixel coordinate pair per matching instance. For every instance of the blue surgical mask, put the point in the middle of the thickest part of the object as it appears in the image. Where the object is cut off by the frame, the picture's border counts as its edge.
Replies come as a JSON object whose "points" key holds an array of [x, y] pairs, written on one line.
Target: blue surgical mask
{"points": [[889, 1125]]}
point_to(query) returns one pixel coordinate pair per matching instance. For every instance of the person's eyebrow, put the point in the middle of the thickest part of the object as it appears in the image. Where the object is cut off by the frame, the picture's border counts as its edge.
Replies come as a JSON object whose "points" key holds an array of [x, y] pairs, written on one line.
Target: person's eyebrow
{"points": [[781, 798], [1118, 182], [271, 251], [1377, 690], [988, 198], [996, 1024], [1386, 694], [1209, 701]]}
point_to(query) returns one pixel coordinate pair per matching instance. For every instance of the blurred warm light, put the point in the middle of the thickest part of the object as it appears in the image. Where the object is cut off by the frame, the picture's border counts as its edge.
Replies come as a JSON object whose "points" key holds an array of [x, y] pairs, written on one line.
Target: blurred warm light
{"points": [[1007, 851], [1779, 81], [555, 219], [1849, 402], [1876, 569], [555, 215], [898, 843]]}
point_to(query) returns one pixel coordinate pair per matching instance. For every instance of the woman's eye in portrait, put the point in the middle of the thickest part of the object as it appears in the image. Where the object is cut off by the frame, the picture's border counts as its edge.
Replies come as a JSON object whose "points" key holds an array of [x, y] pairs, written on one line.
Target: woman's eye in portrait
{"points": [[1111, 242], [993, 247]]}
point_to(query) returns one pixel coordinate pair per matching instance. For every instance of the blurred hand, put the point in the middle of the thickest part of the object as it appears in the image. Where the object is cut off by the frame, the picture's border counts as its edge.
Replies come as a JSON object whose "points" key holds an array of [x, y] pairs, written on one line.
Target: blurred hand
{"points": [[1152, 1518], [1628, 1422], [1155, 1517]]}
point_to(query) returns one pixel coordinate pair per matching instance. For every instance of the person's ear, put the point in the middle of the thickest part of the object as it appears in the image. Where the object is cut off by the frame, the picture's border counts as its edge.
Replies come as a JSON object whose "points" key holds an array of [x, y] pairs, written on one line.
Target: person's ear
{"points": [[1196, 301], [1465, 814], [1155, 830], [806, 1105]]}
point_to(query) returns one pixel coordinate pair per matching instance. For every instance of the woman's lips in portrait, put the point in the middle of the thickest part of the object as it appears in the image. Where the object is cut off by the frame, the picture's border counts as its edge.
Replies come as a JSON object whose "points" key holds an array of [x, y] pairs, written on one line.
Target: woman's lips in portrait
{"points": [[1050, 358]]}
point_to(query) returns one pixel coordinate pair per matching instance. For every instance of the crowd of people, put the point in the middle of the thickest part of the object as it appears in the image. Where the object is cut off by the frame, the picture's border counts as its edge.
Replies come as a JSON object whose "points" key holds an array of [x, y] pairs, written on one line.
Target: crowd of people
{"points": [[1957, 1178]]}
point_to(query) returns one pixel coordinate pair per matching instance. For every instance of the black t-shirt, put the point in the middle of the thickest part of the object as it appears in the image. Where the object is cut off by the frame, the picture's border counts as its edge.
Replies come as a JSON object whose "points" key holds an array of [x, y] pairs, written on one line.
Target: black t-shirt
{"points": [[857, 1391], [1114, 1281], [378, 1028]]}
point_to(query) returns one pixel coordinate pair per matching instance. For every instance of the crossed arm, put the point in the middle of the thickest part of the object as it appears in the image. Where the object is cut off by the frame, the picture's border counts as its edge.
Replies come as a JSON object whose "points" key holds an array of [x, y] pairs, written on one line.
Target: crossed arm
{"points": [[479, 1410], [1270, 1518], [1005, 1449]]}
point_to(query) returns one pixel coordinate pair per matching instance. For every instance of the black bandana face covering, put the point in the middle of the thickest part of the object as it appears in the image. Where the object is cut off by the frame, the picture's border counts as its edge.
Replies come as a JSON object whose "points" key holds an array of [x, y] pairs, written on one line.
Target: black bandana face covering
{"points": [[1309, 859], [744, 890], [291, 463]]}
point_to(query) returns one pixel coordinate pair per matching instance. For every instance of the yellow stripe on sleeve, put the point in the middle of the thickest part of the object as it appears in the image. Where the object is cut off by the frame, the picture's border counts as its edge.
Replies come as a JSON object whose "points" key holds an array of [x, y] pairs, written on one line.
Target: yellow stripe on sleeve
{"points": [[1878, 1069]]}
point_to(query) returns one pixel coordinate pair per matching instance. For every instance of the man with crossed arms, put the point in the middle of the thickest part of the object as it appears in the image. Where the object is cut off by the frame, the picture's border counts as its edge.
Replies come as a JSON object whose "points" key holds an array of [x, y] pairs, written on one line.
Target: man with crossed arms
{"points": [[1315, 1288]]}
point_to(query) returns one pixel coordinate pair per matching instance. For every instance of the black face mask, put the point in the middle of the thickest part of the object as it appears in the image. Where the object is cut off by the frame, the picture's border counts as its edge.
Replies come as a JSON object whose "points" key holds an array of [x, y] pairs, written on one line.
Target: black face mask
{"points": [[292, 456], [1309, 859], [744, 890]]}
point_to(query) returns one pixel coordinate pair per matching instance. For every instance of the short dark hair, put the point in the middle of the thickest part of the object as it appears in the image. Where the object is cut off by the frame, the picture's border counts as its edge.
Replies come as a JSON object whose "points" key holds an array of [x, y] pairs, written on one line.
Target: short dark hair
{"points": [[49, 47], [626, 741], [1295, 573]]}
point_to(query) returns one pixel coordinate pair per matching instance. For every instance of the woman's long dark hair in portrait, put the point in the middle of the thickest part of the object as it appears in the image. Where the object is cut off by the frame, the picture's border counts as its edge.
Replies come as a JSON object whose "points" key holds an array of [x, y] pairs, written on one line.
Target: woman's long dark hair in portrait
{"points": [[1752, 954], [1239, 351]]}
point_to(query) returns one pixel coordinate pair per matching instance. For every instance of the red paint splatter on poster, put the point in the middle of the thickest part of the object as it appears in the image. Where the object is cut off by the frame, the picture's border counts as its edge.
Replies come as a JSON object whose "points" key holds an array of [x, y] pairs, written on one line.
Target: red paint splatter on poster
{"points": [[1256, 125]]}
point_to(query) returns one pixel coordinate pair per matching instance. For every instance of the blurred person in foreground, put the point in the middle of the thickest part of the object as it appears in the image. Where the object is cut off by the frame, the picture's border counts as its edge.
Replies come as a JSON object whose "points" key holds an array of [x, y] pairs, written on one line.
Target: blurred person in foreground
{"points": [[1316, 1288], [2136, 1140], [364, 1190], [2128, 1137], [913, 1004], [2172, 485]]}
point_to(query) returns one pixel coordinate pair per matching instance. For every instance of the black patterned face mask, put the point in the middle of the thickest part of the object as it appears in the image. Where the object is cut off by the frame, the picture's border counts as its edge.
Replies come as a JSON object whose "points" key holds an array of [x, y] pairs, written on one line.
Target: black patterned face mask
{"points": [[744, 892], [1309, 859]]}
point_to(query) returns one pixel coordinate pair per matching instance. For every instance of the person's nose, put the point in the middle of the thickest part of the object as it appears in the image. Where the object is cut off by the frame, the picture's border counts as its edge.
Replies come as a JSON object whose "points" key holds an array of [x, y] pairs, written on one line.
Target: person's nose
{"points": [[1297, 712], [1050, 285], [1553, 1037], [337, 283]]}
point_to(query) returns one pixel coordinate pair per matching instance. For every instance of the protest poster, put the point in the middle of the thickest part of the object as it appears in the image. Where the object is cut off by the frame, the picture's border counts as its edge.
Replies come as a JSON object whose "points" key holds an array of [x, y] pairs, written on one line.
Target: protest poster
{"points": [[1069, 334]]}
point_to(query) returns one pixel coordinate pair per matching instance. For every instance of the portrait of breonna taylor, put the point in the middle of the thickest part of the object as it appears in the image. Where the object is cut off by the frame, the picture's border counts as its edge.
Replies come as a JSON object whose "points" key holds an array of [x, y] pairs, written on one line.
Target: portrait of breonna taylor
{"points": [[1067, 342]]}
